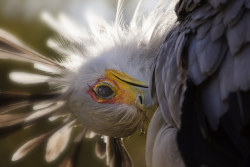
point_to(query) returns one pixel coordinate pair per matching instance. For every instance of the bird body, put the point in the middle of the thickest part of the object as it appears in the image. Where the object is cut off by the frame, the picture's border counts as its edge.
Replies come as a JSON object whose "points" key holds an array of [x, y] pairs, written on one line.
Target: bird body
{"points": [[194, 70]]}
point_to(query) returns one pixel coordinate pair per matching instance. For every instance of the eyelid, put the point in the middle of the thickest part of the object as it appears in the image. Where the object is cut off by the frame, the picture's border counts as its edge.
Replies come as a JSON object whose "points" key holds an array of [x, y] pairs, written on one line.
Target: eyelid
{"points": [[105, 84]]}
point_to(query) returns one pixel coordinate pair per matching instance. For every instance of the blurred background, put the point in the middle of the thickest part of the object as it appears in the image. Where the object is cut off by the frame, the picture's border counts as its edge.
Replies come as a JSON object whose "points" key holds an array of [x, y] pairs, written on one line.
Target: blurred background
{"points": [[21, 18]]}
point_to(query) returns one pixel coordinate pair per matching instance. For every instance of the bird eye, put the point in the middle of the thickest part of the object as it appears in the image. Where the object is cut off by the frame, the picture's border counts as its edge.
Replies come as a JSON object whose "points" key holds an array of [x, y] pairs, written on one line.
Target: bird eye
{"points": [[104, 91]]}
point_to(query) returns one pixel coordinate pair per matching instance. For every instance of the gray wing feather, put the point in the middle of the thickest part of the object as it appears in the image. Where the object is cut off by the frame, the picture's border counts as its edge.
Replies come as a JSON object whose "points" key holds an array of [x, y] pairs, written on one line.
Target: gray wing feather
{"points": [[212, 52], [166, 136], [160, 94], [153, 128], [238, 35], [161, 142], [218, 28], [169, 78], [210, 47], [232, 12]]}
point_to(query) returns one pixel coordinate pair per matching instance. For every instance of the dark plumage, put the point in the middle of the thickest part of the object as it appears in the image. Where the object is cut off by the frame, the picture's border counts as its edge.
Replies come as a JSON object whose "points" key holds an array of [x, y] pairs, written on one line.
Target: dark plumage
{"points": [[203, 68]]}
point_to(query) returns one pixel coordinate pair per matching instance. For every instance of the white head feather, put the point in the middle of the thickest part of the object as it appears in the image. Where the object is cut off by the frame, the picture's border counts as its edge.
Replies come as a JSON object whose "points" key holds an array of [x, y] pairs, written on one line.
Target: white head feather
{"points": [[131, 49]]}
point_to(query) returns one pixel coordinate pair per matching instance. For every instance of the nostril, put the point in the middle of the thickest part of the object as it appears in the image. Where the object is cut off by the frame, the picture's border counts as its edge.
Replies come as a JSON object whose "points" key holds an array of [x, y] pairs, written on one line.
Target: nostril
{"points": [[140, 98]]}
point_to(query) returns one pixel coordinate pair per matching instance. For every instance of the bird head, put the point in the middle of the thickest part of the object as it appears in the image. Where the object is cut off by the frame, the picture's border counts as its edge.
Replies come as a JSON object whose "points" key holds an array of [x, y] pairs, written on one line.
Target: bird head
{"points": [[110, 97], [109, 92]]}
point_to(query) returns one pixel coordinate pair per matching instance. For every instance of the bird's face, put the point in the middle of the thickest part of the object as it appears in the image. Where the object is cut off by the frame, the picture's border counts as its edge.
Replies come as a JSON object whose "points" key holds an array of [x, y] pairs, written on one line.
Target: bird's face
{"points": [[118, 88], [108, 100]]}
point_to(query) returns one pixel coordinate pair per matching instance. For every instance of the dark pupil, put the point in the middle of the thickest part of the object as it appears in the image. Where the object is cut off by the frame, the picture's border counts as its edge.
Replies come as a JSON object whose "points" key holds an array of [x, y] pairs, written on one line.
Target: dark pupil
{"points": [[104, 91]]}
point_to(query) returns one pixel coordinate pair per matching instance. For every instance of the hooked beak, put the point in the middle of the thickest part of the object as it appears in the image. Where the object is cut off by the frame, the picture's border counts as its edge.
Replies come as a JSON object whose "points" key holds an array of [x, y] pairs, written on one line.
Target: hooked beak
{"points": [[139, 90], [129, 80]]}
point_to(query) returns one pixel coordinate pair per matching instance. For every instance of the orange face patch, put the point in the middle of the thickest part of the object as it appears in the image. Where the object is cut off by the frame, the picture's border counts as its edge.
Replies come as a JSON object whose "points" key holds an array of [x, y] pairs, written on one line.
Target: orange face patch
{"points": [[122, 85]]}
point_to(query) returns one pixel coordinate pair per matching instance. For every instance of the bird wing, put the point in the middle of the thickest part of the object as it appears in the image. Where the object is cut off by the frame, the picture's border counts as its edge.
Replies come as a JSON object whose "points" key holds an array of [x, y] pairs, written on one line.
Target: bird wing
{"points": [[201, 81]]}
